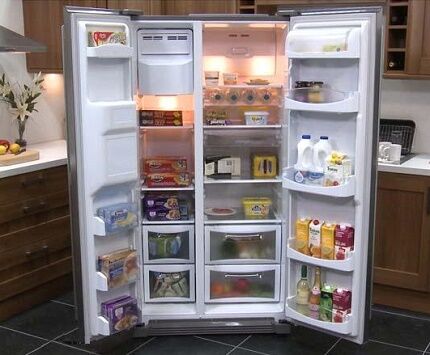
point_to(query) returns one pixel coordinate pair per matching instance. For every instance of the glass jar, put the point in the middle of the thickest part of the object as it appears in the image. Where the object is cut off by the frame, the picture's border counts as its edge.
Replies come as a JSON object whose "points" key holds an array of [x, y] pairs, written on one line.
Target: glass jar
{"points": [[233, 96], [315, 92], [249, 96]]}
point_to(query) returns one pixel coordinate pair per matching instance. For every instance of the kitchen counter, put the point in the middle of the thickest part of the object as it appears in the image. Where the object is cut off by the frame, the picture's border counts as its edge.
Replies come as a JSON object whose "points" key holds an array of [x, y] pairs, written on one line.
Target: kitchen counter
{"points": [[53, 153], [418, 165]]}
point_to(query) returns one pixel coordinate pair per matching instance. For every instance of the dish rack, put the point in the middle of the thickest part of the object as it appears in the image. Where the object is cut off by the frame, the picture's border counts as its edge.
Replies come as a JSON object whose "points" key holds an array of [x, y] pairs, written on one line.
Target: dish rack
{"points": [[405, 130]]}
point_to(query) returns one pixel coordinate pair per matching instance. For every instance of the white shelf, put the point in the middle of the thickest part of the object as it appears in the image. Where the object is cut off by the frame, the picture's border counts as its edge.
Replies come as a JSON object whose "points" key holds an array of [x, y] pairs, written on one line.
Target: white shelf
{"points": [[99, 227], [245, 86], [151, 128], [323, 55], [272, 126], [101, 282], [146, 222], [341, 265], [242, 181], [112, 50], [239, 218], [349, 104], [255, 309], [103, 325], [345, 190], [187, 188], [341, 328]]}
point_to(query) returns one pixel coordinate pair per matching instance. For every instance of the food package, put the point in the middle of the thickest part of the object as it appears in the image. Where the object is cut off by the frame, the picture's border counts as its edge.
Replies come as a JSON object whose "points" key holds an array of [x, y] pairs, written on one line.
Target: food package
{"points": [[122, 313], [168, 180], [118, 217], [264, 166], [216, 118], [315, 238], [341, 305], [256, 207], [343, 241], [326, 303], [170, 284], [256, 118], [302, 235], [164, 245], [327, 241], [160, 118], [165, 214], [169, 201], [222, 167], [165, 165], [120, 267], [98, 38], [230, 78], [337, 169]]}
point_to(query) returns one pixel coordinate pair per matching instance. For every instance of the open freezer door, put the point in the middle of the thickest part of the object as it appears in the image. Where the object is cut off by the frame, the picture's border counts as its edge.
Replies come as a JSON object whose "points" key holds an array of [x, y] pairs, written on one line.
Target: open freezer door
{"points": [[332, 91], [102, 137]]}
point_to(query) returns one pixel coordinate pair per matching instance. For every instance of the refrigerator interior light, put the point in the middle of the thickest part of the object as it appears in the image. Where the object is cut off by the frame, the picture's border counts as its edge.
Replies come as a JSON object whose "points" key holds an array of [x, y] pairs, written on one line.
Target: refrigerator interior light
{"points": [[216, 25], [53, 83], [262, 66], [215, 63], [168, 102]]}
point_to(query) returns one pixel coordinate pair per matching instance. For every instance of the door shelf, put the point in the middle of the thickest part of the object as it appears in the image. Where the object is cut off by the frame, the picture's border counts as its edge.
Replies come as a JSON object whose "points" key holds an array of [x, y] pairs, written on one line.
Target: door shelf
{"points": [[100, 228], [187, 221], [102, 282], [242, 181], [185, 188], [349, 103], [341, 328], [341, 265], [324, 55], [344, 190], [242, 126], [103, 325], [110, 51]]}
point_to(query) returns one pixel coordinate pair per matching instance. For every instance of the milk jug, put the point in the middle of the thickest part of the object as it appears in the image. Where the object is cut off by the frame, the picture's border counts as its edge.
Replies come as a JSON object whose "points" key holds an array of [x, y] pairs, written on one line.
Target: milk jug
{"points": [[304, 163], [322, 149]]}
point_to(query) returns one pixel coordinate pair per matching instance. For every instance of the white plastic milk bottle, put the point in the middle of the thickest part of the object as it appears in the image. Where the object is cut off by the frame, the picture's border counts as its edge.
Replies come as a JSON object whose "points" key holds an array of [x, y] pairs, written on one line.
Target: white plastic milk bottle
{"points": [[304, 163], [322, 150]]}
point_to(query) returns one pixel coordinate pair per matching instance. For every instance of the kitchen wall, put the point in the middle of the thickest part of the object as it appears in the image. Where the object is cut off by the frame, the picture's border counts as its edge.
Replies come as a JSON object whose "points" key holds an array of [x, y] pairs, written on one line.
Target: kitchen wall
{"points": [[409, 99], [48, 123]]}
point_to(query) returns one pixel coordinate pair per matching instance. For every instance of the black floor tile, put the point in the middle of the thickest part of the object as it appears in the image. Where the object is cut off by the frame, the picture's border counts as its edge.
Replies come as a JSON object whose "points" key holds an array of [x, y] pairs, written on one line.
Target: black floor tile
{"points": [[301, 341], [182, 345], [68, 298], [12, 343], [230, 339], [57, 349], [241, 351], [48, 320], [72, 339], [371, 348], [398, 330], [404, 312]]}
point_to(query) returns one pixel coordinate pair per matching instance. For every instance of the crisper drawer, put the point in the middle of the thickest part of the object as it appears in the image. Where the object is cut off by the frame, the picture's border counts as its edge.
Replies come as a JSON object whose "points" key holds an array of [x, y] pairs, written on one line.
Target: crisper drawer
{"points": [[242, 283], [167, 244], [249, 244], [169, 283]]}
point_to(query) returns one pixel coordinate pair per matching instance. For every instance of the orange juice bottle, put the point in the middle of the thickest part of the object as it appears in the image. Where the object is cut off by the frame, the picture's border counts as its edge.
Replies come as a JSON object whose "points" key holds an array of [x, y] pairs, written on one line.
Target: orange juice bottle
{"points": [[327, 241], [302, 235]]}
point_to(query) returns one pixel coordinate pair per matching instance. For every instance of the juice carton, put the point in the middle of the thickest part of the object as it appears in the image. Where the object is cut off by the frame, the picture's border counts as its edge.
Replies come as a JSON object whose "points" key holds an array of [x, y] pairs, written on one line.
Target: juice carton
{"points": [[315, 238], [302, 235], [343, 241], [341, 305], [326, 303], [327, 241]]}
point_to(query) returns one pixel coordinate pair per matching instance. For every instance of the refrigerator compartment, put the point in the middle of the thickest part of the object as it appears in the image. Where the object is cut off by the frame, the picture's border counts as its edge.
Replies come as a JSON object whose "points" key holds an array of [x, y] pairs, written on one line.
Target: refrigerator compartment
{"points": [[342, 265], [341, 328], [322, 40], [242, 283], [169, 283], [111, 50], [344, 190], [331, 100], [168, 244], [118, 219], [250, 244]]}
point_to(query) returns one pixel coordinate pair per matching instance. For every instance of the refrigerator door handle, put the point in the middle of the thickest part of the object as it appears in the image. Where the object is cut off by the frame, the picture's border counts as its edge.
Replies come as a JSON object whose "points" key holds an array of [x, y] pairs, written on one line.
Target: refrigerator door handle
{"points": [[257, 275], [243, 237], [428, 200]]}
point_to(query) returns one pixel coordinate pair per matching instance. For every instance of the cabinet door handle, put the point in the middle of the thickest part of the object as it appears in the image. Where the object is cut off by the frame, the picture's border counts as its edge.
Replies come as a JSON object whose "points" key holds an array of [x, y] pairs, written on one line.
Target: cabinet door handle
{"points": [[29, 209], [428, 200], [243, 237], [40, 179], [34, 253], [243, 275]]}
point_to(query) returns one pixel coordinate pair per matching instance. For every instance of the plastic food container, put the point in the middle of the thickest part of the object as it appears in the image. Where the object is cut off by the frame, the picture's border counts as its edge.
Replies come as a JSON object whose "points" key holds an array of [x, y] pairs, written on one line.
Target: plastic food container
{"points": [[256, 207], [256, 118]]}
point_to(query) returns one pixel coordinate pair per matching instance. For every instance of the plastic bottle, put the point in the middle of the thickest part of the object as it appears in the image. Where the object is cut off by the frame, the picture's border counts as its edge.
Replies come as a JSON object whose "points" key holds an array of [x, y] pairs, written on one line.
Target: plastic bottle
{"points": [[304, 163], [322, 150]]}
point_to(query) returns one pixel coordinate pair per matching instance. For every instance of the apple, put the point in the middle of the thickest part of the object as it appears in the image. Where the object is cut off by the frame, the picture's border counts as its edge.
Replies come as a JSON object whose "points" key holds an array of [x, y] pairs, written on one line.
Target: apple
{"points": [[242, 285]]}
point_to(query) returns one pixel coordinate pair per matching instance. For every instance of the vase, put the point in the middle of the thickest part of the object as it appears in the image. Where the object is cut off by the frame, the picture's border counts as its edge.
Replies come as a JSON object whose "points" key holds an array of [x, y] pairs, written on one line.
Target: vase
{"points": [[21, 129]]}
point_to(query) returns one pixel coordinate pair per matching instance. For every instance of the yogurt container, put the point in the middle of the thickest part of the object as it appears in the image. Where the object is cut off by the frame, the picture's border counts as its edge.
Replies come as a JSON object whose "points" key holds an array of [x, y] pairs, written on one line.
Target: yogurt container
{"points": [[256, 118]]}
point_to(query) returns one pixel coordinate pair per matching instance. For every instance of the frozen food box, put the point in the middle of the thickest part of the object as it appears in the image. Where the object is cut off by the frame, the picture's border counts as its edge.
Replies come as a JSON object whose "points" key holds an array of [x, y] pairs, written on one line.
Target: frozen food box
{"points": [[122, 314], [160, 118], [161, 200], [165, 214], [98, 38], [120, 267], [165, 165], [118, 217], [168, 180]]}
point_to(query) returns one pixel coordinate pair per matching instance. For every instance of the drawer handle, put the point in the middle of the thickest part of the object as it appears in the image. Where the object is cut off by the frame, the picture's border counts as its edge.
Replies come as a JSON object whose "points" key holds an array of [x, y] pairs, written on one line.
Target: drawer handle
{"points": [[29, 209], [243, 275], [243, 236], [34, 253], [40, 179]]}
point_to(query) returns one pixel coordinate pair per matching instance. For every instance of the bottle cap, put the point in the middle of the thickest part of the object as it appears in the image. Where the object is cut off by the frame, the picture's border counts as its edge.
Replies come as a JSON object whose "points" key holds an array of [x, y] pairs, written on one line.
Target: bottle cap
{"points": [[323, 137], [304, 271], [306, 136]]}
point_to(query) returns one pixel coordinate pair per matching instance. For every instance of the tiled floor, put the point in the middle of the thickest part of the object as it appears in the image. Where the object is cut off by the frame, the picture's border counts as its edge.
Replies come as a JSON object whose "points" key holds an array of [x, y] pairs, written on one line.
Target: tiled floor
{"points": [[50, 329]]}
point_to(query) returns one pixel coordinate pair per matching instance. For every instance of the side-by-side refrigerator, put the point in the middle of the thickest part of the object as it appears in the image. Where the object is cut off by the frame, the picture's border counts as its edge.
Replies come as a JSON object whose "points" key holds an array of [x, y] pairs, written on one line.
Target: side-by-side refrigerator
{"points": [[222, 170]]}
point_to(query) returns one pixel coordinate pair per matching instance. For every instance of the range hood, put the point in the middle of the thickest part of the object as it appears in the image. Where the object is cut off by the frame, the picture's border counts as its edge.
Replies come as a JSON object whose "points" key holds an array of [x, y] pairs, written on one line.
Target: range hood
{"points": [[11, 41]]}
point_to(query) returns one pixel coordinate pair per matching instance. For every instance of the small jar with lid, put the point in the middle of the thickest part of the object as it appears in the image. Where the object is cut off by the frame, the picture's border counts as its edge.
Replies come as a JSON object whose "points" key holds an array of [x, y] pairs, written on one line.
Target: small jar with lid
{"points": [[315, 92], [301, 94]]}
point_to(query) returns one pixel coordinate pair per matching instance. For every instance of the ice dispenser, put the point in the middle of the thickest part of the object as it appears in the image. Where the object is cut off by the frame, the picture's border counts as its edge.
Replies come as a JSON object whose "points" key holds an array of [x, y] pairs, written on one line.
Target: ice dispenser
{"points": [[165, 61]]}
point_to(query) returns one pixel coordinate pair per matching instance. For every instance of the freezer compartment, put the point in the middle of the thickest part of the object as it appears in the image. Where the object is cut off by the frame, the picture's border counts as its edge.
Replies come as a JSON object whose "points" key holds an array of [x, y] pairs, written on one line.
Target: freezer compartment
{"points": [[169, 283], [242, 283], [250, 244], [166, 244]]}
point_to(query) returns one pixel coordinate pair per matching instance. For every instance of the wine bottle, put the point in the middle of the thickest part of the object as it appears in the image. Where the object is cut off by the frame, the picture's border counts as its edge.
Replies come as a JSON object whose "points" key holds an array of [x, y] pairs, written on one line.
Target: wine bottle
{"points": [[303, 291], [315, 295]]}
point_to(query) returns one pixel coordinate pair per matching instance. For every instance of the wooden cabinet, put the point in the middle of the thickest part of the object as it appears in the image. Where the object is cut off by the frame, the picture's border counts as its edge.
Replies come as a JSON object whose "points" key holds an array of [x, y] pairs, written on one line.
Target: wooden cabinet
{"points": [[186, 7], [149, 7], [35, 244], [42, 22], [402, 239]]}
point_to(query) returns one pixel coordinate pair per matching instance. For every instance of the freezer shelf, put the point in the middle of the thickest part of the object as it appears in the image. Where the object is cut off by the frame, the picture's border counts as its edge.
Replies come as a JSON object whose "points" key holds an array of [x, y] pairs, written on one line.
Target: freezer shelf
{"points": [[341, 328]]}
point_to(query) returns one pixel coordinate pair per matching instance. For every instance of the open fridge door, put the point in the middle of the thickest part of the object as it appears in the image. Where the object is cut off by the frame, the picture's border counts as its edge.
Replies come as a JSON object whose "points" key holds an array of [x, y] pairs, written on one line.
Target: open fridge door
{"points": [[99, 63], [332, 91]]}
